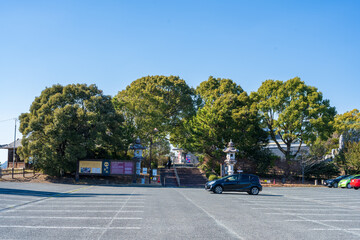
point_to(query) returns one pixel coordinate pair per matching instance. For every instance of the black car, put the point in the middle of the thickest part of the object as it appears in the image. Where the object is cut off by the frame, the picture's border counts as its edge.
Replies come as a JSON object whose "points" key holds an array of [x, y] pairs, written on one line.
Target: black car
{"points": [[334, 182], [238, 182]]}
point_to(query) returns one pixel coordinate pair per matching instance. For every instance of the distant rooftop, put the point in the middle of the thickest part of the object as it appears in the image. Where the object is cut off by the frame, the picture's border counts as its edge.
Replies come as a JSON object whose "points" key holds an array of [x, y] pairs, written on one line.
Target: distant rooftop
{"points": [[11, 145]]}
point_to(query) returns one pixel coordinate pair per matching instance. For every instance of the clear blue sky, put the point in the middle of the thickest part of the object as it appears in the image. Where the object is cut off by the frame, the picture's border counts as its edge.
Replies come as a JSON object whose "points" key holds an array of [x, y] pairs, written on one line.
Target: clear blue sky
{"points": [[112, 43]]}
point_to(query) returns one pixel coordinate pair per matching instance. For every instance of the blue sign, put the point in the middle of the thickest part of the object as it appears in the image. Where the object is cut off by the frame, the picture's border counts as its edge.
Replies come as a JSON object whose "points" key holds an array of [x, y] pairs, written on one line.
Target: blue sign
{"points": [[188, 158], [106, 167]]}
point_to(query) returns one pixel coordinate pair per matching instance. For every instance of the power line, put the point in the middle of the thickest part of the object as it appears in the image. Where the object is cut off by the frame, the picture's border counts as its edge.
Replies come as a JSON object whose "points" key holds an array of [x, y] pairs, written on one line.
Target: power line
{"points": [[11, 119]]}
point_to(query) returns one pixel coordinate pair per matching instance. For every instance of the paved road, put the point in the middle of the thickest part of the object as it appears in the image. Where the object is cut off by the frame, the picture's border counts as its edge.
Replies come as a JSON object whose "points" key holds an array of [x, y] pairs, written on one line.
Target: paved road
{"points": [[56, 211]]}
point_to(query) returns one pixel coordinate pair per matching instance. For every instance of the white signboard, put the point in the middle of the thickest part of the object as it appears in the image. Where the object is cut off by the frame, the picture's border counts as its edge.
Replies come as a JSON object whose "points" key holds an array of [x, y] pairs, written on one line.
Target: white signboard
{"points": [[154, 172], [144, 170]]}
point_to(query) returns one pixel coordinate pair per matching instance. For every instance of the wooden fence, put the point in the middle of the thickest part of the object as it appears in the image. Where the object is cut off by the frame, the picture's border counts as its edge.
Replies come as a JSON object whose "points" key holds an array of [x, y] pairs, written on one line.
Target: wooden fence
{"points": [[15, 171]]}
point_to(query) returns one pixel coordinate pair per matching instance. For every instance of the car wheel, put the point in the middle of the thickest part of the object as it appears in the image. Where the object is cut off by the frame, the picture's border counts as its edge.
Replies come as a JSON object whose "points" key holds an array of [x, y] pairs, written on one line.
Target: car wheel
{"points": [[218, 189], [335, 185], [356, 188], [348, 186], [254, 191]]}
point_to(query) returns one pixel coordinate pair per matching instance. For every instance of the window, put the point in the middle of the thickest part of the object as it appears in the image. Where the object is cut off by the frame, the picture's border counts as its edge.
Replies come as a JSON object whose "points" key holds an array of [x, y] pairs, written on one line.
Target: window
{"points": [[244, 178], [232, 178]]}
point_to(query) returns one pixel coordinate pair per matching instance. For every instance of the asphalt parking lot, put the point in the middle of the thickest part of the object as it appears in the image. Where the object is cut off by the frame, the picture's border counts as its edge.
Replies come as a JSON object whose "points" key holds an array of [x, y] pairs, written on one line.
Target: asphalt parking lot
{"points": [[60, 211]]}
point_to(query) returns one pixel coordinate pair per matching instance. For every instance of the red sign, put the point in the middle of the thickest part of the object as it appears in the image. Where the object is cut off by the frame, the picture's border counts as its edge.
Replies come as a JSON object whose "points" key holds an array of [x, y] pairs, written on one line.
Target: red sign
{"points": [[122, 168]]}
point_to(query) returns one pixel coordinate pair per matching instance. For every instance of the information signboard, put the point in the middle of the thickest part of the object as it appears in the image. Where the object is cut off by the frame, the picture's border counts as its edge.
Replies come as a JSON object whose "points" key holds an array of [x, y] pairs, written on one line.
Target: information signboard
{"points": [[106, 167], [122, 167], [90, 167]]}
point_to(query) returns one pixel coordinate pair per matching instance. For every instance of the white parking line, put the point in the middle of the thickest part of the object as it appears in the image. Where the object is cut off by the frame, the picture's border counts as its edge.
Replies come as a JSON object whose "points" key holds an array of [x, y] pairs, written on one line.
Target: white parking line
{"points": [[281, 205], [302, 215], [314, 214], [336, 229], [232, 232], [13, 200], [303, 209], [90, 218], [107, 227], [81, 211], [79, 206], [41, 199], [92, 202], [57, 227], [134, 206], [327, 220]]}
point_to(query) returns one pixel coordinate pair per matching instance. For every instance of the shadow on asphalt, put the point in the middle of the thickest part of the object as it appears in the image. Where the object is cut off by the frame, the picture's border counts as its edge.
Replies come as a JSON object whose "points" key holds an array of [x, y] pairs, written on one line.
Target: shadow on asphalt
{"points": [[34, 193], [259, 195]]}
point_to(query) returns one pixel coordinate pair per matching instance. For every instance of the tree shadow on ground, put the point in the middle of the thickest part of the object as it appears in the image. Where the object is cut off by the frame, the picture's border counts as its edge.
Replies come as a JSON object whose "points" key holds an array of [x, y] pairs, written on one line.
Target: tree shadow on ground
{"points": [[35, 193], [259, 195]]}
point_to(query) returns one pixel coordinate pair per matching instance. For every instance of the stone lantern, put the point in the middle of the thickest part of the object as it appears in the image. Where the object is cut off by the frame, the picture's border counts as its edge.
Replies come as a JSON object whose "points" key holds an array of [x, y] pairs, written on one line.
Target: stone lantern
{"points": [[138, 154], [230, 157]]}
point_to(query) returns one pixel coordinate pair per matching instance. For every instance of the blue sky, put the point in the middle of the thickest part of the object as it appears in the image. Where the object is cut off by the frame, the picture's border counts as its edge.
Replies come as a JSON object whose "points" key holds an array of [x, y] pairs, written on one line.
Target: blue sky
{"points": [[112, 43]]}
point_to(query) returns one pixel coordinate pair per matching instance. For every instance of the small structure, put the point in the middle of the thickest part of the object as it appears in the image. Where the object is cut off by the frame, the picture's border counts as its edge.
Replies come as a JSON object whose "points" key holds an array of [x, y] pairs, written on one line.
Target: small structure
{"points": [[181, 156], [274, 149], [138, 154], [230, 157], [18, 163], [185, 158]]}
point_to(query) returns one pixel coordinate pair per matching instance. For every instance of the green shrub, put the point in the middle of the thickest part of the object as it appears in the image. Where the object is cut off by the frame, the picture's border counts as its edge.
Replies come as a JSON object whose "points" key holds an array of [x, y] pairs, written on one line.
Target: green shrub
{"points": [[212, 177]]}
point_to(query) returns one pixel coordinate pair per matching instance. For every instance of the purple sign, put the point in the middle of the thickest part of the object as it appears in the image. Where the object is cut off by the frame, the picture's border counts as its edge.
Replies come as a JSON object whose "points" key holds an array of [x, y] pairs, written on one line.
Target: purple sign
{"points": [[121, 168]]}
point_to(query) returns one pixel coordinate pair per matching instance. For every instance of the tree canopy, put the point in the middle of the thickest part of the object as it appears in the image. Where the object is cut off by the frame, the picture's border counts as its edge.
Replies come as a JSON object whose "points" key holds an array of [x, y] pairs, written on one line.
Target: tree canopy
{"points": [[160, 102], [295, 112], [225, 115], [68, 123]]}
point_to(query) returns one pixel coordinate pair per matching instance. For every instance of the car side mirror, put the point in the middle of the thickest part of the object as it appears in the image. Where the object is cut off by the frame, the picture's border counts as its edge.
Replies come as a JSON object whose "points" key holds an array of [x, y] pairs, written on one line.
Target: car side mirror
{"points": [[227, 180]]}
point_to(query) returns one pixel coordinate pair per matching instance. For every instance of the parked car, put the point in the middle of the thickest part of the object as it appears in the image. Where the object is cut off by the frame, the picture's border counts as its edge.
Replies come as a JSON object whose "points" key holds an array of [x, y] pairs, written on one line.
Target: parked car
{"points": [[355, 183], [238, 182], [345, 183], [334, 182]]}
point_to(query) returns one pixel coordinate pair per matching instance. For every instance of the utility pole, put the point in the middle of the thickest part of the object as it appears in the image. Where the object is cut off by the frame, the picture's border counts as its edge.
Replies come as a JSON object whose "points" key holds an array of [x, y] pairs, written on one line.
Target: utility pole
{"points": [[14, 149]]}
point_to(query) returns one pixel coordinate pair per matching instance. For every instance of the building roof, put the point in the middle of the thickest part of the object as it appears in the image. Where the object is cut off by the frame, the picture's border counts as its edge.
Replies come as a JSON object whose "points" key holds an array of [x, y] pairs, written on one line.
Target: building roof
{"points": [[11, 145], [230, 148]]}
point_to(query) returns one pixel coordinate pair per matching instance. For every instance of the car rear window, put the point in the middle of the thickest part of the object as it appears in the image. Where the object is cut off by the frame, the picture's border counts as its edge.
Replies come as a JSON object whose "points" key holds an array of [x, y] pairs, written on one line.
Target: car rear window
{"points": [[244, 177]]}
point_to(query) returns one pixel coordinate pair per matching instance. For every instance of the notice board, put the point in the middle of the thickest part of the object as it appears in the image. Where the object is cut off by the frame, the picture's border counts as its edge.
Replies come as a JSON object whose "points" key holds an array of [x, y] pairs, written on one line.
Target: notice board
{"points": [[106, 167]]}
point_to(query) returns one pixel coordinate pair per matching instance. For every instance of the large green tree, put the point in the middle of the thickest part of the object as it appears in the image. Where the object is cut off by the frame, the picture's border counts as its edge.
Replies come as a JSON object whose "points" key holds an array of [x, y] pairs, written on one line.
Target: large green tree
{"points": [[352, 156], [225, 114], [295, 112], [68, 123], [347, 127], [161, 102]]}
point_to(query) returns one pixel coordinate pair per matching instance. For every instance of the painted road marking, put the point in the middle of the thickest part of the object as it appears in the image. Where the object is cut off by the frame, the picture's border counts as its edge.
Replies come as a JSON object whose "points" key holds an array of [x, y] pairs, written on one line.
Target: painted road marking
{"points": [[57, 227], [301, 215], [327, 220], [41, 199], [107, 227], [219, 223], [315, 214], [81, 211], [79, 206], [303, 209], [336, 229], [53, 217]]}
